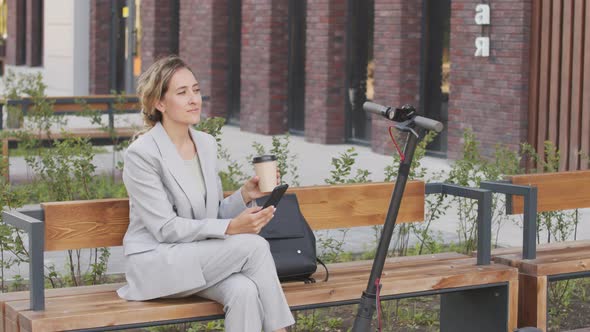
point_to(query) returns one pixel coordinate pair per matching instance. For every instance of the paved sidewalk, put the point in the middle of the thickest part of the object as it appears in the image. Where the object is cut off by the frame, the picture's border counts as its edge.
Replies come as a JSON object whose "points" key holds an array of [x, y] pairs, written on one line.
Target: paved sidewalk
{"points": [[314, 165]]}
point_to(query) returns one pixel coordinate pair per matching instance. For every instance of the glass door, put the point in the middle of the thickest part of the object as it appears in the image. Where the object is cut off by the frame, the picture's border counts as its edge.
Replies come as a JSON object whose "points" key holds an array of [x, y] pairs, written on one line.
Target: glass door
{"points": [[234, 47], [296, 94], [360, 66], [436, 68]]}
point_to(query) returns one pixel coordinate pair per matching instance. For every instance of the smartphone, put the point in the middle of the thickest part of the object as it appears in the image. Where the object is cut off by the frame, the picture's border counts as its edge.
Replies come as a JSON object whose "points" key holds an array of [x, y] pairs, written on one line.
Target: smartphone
{"points": [[275, 196]]}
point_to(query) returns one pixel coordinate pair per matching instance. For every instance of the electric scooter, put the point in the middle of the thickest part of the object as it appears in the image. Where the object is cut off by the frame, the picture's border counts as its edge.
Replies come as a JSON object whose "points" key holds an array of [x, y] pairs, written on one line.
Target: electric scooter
{"points": [[407, 121]]}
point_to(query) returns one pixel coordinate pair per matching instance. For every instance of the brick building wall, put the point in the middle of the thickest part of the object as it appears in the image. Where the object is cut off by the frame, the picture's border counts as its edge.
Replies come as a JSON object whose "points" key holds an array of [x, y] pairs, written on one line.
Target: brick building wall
{"points": [[325, 71], [264, 66], [159, 25], [203, 45], [99, 54], [489, 94], [397, 40]]}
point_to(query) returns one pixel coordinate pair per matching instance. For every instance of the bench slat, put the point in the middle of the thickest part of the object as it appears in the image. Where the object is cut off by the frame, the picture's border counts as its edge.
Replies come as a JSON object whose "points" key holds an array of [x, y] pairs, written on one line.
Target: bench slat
{"points": [[129, 106], [556, 191], [122, 132], [580, 264], [435, 279], [338, 270], [393, 269], [543, 258], [342, 206], [94, 103], [85, 224], [58, 292], [102, 223], [513, 256], [552, 259], [49, 293], [540, 247], [85, 311]]}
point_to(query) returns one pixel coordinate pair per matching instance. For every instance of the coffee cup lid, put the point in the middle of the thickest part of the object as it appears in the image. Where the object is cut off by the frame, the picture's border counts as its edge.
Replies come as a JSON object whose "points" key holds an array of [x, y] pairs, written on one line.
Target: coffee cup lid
{"points": [[266, 157]]}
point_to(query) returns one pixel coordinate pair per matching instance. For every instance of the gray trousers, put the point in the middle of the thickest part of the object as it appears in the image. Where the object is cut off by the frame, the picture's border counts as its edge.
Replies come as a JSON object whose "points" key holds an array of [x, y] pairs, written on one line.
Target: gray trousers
{"points": [[240, 274]]}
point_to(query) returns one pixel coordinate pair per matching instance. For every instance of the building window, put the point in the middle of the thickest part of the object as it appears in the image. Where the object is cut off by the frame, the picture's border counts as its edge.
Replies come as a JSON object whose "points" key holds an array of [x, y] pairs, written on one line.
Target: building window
{"points": [[35, 31], [21, 33], [3, 24], [3, 33]]}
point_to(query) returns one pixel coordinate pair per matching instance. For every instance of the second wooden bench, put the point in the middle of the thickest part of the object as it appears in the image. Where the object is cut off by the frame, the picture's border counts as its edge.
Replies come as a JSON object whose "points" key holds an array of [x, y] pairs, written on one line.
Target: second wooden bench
{"points": [[541, 264]]}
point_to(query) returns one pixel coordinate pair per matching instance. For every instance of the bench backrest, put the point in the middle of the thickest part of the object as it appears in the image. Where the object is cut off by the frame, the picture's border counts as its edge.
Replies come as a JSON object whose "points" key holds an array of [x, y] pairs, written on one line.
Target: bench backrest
{"points": [[103, 222], [555, 191], [72, 105], [103, 103]]}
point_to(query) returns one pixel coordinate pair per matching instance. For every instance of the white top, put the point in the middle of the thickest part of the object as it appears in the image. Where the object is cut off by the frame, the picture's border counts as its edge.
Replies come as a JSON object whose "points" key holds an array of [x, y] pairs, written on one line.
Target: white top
{"points": [[194, 169]]}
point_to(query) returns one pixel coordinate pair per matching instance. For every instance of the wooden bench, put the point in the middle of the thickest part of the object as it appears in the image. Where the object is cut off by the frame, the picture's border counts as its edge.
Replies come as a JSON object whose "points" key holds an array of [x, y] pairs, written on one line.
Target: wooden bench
{"points": [[106, 104], [474, 297], [109, 105], [541, 264]]}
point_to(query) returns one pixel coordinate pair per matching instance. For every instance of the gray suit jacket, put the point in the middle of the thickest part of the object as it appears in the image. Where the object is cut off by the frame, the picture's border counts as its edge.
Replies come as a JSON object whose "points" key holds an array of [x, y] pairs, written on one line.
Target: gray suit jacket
{"points": [[167, 210]]}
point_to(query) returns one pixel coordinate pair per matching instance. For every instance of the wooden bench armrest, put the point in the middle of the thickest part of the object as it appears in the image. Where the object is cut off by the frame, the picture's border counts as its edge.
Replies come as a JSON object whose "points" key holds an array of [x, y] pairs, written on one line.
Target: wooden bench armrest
{"points": [[484, 214], [25, 220], [529, 193]]}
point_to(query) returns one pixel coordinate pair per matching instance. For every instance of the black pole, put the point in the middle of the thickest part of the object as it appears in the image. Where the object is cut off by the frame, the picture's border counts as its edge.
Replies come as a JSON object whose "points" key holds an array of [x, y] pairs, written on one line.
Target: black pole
{"points": [[367, 306]]}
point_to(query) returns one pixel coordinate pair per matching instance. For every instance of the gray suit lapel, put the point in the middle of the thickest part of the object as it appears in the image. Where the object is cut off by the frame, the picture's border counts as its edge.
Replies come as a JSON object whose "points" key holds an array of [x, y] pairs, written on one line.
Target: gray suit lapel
{"points": [[206, 155], [177, 168]]}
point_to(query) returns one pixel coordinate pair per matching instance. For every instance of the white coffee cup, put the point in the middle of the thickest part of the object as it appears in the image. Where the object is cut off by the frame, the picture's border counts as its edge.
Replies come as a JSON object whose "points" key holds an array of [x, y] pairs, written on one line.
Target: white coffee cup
{"points": [[265, 168]]}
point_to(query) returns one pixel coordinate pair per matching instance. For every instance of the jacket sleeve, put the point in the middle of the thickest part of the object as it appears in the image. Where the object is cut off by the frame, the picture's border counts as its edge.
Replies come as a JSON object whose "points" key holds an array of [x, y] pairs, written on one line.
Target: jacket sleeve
{"points": [[150, 203], [232, 205]]}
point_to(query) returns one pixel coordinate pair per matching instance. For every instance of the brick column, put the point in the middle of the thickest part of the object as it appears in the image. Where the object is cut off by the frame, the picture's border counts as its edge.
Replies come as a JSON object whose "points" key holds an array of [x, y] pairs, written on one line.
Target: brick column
{"points": [[489, 94], [397, 62], [15, 22], [203, 45], [99, 57], [159, 23], [325, 71], [264, 62]]}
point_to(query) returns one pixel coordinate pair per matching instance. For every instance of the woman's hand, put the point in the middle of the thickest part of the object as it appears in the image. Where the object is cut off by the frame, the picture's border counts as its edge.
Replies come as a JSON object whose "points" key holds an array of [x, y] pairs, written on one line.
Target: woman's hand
{"points": [[250, 221], [250, 190]]}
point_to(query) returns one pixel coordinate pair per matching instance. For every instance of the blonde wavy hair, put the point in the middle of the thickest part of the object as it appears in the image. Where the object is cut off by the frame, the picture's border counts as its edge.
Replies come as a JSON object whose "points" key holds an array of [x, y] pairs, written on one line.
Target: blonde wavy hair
{"points": [[152, 86]]}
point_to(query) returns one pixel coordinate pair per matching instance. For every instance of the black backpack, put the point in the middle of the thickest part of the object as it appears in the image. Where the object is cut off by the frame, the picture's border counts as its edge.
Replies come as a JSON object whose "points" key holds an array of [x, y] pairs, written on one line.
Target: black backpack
{"points": [[292, 242]]}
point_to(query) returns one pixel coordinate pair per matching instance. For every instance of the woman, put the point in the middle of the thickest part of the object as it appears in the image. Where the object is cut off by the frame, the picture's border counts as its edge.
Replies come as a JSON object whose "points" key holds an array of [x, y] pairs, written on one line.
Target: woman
{"points": [[184, 238]]}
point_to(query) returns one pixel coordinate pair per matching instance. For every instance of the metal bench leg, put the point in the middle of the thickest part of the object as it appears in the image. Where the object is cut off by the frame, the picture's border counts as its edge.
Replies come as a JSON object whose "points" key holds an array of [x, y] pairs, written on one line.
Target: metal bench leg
{"points": [[31, 221], [36, 273], [5, 159]]}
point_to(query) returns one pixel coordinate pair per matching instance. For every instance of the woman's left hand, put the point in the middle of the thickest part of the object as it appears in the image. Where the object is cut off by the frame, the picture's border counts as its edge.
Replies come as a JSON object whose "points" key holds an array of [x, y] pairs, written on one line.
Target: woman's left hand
{"points": [[251, 190]]}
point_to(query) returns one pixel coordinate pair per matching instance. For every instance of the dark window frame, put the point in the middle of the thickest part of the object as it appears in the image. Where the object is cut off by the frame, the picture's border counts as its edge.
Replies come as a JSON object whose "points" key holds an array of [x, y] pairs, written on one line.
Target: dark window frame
{"points": [[34, 32], [21, 33]]}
